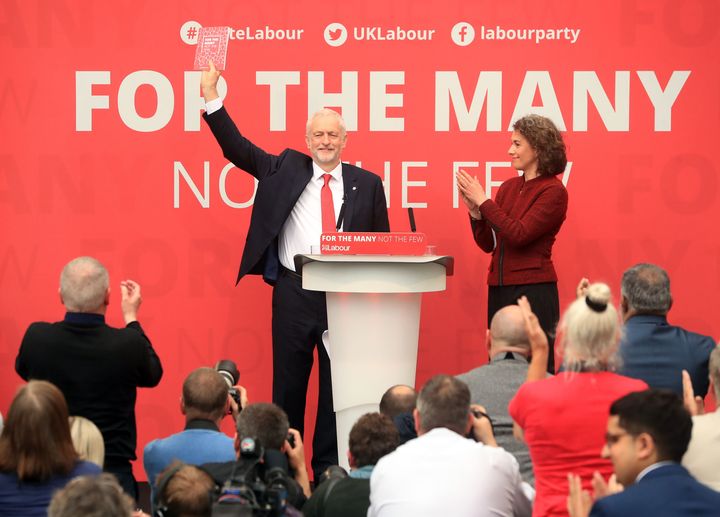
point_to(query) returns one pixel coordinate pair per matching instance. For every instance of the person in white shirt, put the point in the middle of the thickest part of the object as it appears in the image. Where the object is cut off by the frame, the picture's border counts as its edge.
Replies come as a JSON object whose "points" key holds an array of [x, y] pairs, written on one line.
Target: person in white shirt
{"points": [[442, 472], [702, 458]]}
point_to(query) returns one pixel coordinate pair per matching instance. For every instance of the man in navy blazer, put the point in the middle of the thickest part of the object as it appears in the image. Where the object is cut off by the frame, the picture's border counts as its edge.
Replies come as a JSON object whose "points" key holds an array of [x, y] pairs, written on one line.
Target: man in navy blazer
{"points": [[652, 349], [647, 434], [286, 220]]}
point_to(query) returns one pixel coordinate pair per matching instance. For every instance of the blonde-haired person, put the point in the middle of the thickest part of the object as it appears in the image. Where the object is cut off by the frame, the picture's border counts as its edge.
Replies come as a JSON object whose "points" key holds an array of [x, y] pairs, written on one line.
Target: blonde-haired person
{"points": [[87, 440], [562, 419]]}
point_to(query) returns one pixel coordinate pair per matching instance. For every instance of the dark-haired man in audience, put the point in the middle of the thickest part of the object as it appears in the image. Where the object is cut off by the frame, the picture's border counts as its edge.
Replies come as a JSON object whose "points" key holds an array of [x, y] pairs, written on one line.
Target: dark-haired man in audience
{"points": [[398, 403], [205, 402], [372, 437], [267, 424], [702, 458], [647, 434], [97, 367], [443, 473], [496, 383], [653, 350]]}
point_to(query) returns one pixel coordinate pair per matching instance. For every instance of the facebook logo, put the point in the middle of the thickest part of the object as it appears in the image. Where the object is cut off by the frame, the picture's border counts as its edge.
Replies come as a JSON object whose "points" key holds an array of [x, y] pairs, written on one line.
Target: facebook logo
{"points": [[462, 34]]}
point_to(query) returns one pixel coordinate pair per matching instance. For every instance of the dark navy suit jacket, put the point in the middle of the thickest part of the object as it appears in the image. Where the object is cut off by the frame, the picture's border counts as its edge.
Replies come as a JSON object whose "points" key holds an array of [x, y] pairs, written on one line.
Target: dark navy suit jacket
{"points": [[657, 352], [668, 491], [281, 180]]}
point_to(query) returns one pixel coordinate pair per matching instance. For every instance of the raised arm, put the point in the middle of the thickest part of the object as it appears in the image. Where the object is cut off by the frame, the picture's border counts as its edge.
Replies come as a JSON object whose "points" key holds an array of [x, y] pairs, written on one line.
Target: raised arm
{"points": [[236, 148], [538, 342]]}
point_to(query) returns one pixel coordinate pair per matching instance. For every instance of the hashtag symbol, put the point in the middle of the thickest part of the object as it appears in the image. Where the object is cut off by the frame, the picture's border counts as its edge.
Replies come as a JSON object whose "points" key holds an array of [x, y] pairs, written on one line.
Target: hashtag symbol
{"points": [[191, 33]]}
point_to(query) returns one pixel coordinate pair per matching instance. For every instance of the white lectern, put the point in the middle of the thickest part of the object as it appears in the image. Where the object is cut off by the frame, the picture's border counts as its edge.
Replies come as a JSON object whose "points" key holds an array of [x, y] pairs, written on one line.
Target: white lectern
{"points": [[373, 305]]}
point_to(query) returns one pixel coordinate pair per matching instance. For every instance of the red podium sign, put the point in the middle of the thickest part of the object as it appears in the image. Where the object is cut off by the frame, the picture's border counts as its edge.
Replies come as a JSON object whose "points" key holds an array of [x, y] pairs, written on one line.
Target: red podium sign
{"points": [[373, 243]]}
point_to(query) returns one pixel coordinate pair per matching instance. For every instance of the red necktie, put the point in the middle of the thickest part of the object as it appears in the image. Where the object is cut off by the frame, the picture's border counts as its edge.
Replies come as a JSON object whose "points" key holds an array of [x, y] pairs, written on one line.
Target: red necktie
{"points": [[326, 204]]}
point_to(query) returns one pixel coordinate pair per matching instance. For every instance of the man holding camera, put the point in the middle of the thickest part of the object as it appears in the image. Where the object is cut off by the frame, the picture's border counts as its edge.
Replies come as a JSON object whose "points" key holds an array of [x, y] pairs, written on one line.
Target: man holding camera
{"points": [[267, 425], [205, 402], [442, 472]]}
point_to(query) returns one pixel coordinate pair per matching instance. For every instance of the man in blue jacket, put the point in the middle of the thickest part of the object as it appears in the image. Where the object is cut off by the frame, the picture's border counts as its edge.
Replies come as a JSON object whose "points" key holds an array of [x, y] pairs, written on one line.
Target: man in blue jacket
{"points": [[647, 434], [653, 350]]}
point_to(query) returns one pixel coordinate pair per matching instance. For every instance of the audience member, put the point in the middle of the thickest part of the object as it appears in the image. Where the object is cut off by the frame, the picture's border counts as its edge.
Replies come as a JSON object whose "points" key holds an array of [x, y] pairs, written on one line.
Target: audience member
{"points": [[87, 440], [495, 384], [398, 403], [702, 458], [652, 349], [443, 473], [36, 452], [267, 424], [647, 435], [372, 437], [97, 367], [184, 491], [205, 402], [92, 496], [397, 400], [562, 417]]}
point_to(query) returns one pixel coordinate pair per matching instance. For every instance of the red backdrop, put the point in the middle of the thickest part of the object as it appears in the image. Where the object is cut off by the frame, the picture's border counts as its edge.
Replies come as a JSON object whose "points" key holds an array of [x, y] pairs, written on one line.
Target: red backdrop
{"points": [[101, 141]]}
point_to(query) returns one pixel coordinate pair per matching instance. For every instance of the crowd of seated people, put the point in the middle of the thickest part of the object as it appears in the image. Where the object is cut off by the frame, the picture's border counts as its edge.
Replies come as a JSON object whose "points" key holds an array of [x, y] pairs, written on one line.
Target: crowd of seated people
{"points": [[609, 434]]}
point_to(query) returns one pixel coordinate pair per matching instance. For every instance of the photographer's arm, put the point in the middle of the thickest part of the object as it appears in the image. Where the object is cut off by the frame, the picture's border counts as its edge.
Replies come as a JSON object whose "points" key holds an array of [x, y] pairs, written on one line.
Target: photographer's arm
{"points": [[481, 427], [296, 459], [234, 409]]}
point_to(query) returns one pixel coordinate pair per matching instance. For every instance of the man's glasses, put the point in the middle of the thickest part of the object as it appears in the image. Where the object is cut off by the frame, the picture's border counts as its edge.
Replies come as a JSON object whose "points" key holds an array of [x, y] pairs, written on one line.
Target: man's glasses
{"points": [[613, 438]]}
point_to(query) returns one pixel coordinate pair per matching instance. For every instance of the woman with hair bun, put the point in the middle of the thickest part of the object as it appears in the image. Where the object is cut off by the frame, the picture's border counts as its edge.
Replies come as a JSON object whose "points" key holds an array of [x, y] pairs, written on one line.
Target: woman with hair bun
{"points": [[37, 455], [520, 226], [563, 418]]}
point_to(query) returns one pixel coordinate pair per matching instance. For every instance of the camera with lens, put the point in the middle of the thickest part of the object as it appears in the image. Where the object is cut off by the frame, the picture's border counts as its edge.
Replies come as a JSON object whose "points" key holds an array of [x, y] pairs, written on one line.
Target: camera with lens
{"points": [[229, 371], [258, 485]]}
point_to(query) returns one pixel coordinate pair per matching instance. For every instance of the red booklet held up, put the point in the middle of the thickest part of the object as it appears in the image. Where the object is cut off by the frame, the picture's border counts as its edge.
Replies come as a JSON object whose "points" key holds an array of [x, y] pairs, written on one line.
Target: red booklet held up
{"points": [[212, 45]]}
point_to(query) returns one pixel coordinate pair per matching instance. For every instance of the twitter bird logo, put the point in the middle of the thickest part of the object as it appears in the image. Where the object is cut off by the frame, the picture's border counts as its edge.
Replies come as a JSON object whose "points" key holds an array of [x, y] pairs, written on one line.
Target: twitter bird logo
{"points": [[335, 34]]}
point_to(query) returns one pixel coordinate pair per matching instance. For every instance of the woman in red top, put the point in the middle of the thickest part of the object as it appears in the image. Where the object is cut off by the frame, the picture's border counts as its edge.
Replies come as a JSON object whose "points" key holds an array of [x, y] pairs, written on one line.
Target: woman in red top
{"points": [[563, 418], [520, 226]]}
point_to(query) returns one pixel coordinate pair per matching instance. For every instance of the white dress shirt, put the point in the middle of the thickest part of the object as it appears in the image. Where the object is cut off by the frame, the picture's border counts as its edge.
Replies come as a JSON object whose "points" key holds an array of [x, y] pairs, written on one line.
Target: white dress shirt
{"points": [[444, 474], [303, 227]]}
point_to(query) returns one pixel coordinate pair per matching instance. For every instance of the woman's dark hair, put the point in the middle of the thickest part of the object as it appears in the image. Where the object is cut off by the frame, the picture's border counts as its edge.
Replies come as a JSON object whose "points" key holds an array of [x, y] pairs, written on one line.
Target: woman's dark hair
{"points": [[35, 442], [546, 140]]}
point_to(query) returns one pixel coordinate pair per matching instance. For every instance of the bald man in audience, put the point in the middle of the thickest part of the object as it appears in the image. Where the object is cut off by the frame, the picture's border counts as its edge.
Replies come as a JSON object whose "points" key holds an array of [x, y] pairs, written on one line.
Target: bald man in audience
{"points": [[398, 403], [494, 384]]}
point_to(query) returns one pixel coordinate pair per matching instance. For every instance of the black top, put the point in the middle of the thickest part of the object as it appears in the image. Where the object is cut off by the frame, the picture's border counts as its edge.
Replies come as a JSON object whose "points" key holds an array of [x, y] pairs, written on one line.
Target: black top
{"points": [[98, 369], [348, 497]]}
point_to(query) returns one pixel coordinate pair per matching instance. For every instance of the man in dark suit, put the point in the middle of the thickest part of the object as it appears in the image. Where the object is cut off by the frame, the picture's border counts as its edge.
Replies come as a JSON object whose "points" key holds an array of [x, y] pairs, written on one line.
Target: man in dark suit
{"points": [[97, 367], [298, 197], [653, 350], [647, 434]]}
